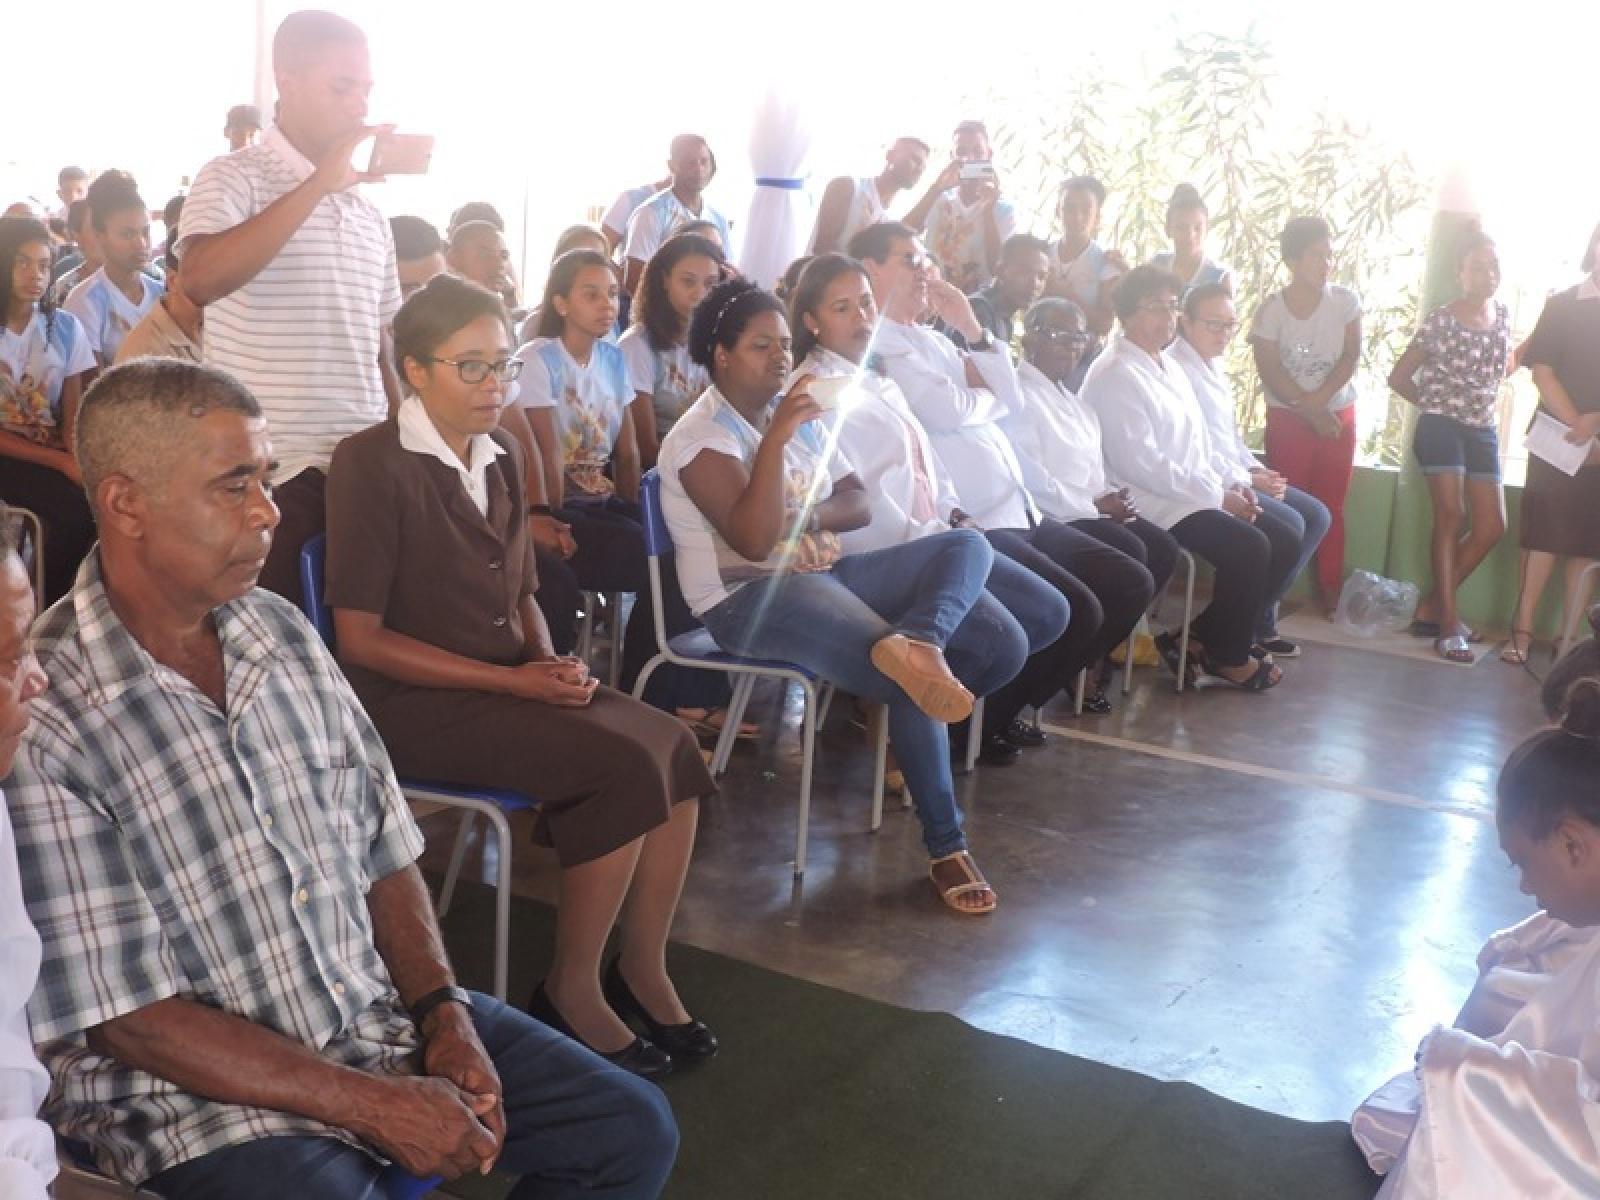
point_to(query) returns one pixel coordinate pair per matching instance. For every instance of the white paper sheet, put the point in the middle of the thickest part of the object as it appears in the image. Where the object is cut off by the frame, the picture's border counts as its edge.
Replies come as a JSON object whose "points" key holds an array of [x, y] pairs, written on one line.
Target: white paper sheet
{"points": [[1547, 439]]}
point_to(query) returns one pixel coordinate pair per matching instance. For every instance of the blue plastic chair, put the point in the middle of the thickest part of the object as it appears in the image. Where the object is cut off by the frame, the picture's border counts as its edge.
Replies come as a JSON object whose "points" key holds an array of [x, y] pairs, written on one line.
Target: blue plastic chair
{"points": [[492, 804], [698, 651]]}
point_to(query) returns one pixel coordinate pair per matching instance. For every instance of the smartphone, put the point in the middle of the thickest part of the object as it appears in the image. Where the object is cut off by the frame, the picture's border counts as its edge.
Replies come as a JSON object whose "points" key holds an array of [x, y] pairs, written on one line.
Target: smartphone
{"points": [[976, 170], [401, 154]]}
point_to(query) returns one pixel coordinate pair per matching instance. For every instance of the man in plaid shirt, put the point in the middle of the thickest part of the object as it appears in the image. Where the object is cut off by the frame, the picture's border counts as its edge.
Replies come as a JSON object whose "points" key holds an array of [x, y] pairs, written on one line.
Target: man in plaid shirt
{"points": [[243, 991]]}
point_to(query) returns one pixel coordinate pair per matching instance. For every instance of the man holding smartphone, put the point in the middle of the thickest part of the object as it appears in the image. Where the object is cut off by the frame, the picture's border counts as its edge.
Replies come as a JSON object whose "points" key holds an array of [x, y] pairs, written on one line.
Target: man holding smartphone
{"points": [[297, 271], [970, 222]]}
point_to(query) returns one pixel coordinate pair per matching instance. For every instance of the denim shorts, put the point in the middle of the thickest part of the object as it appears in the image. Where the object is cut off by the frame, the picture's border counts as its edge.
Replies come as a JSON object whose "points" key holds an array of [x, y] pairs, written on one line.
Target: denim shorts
{"points": [[1445, 446]]}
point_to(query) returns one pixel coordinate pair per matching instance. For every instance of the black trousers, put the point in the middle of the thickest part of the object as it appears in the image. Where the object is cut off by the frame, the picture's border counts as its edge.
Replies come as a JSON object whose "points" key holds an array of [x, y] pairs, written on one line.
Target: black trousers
{"points": [[1107, 589], [1142, 540], [63, 510], [1251, 561]]}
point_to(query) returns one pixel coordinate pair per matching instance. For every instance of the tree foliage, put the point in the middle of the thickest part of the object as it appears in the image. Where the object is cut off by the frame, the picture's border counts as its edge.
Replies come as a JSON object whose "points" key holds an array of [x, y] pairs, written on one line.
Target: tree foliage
{"points": [[1209, 118]]}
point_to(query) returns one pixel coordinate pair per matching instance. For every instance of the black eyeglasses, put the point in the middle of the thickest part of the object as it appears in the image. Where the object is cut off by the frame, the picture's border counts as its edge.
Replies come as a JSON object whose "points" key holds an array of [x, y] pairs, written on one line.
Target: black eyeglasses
{"points": [[1068, 336], [475, 370]]}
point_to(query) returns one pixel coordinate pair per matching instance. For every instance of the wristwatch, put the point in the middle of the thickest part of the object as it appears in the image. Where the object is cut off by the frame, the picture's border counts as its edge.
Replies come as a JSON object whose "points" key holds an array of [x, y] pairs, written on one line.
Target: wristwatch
{"points": [[444, 995], [984, 344]]}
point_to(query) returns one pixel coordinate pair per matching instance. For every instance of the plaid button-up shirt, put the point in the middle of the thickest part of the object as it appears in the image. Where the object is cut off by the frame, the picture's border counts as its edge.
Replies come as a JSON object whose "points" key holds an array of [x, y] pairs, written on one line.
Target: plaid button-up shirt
{"points": [[169, 848]]}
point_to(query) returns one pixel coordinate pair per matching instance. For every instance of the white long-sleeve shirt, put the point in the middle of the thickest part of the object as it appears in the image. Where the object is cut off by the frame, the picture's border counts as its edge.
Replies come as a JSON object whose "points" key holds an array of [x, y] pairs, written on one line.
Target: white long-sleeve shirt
{"points": [[963, 422], [1231, 458], [27, 1147], [1057, 440], [882, 439], [1154, 436]]}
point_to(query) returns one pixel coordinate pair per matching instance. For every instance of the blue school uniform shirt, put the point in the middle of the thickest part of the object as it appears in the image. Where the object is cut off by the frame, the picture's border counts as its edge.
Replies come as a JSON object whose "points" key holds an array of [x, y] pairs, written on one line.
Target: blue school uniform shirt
{"points": [[106, 314]]}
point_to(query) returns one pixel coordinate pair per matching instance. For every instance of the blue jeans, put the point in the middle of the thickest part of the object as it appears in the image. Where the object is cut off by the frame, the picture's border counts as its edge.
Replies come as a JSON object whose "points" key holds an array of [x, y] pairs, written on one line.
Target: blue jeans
{"points": [[829, 622], [1309, 517], [575, 1127]]}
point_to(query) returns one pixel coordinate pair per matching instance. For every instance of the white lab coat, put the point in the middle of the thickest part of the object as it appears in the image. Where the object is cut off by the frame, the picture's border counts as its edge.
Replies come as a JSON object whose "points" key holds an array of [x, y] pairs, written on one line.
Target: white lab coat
{"points": [[1153, 434]]}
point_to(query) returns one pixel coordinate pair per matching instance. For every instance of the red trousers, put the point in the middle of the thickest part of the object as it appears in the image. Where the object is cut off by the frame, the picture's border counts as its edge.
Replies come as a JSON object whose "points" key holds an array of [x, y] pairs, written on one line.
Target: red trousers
{"points": [[1323, 467]]}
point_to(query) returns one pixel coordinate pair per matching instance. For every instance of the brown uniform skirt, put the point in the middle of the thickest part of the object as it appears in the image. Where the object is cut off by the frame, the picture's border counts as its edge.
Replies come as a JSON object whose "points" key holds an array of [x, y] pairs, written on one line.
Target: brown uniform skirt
{"points": [[1561, 512], [603, 775]]}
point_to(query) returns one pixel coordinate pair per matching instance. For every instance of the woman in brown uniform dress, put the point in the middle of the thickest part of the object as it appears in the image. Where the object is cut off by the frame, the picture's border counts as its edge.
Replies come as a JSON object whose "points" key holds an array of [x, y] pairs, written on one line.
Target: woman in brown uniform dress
{"points": [[1561, 512], [431, 580]]}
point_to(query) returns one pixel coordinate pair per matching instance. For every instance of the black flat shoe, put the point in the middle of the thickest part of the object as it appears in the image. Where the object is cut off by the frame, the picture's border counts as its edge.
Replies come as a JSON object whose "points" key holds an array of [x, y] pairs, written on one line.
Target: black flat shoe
{"points": [[997, 752], [686, 1042], [641, 1058], [1280, 647], [1096, 704], [1024, 736]]}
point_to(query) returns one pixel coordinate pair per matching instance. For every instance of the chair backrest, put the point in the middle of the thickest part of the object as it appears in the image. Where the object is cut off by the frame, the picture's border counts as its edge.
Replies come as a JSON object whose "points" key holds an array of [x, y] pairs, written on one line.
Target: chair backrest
{"points": [[657, 537], [313, 561]]}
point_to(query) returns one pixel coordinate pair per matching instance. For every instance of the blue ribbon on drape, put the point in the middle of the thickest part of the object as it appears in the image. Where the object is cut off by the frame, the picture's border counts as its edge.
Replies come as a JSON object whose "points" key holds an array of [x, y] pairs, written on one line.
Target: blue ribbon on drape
{"points": [[787, 185]]}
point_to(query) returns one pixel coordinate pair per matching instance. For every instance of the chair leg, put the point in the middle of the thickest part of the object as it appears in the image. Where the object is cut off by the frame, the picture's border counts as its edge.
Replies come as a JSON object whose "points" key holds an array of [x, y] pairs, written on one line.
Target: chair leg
{"points": [[975, 736], [880, 764], [742, 687], [1576, 609], [808, 747], [502, 904], [825, 704], [643, 681], [586, 626], [618, 632], [1127, 662], [1083, 686], [457, 857], [1188, 617]]}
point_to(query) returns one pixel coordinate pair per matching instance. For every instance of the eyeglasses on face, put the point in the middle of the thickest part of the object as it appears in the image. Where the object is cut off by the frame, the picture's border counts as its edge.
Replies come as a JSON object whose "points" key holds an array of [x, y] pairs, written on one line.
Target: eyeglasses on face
{"points": [[1216, 325], [1171, 307], [1070, 337], [476, 370]]}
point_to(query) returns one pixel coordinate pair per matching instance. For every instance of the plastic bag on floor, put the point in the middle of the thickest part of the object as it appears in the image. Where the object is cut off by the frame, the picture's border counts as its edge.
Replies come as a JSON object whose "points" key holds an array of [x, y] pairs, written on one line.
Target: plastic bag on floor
{"points": [[1370, 604]]}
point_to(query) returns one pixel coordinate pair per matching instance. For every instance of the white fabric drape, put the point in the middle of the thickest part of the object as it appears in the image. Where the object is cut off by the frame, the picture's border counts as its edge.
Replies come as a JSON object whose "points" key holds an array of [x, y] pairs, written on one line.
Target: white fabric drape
{"points": [[779, 225], [1507, 1104]]}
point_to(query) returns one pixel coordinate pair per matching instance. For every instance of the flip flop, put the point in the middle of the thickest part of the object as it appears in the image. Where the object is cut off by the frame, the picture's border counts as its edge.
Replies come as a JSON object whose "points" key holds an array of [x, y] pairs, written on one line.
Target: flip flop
{"points": [[1454, 649]]}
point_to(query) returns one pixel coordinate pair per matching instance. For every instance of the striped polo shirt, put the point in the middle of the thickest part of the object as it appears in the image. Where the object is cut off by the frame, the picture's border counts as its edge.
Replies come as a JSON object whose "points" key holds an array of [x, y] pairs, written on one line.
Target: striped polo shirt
{"points": [[304, 335]]}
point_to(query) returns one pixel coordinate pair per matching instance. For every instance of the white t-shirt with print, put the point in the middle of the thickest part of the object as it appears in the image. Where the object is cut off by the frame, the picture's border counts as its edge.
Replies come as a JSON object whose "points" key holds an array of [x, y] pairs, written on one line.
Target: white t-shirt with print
{"points": [[38, 362], [670, 379], [1309, 349], [709, 570], [1082, 276], [955, 238], [590, 400], [106, 314]]}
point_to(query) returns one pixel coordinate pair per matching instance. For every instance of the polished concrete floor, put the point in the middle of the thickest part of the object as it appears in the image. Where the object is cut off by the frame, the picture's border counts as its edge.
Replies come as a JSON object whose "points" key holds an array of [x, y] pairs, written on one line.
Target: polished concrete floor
{"points": [[1270, 896]]}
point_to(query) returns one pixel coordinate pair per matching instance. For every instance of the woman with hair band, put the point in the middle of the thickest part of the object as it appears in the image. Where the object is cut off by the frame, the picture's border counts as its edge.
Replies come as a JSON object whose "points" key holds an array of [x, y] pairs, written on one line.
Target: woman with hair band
{"points": [[665, 383], [756, 500], [1506, 1102], [431, 582]]}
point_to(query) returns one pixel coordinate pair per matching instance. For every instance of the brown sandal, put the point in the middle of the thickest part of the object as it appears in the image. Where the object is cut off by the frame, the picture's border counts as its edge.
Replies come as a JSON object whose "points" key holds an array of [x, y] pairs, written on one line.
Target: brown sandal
{"points": [[975, 882]]}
